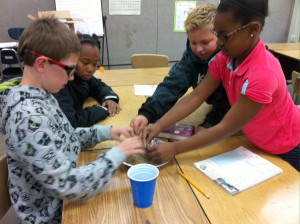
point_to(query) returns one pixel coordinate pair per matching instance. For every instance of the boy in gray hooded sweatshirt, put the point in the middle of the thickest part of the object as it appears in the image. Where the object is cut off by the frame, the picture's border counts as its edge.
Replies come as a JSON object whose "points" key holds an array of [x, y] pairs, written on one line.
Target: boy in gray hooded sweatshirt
{"points": [[42, 147]]}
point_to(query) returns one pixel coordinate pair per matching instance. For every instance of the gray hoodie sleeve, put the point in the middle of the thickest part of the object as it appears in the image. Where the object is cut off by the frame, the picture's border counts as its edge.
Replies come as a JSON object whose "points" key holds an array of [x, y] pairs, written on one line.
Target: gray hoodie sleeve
{"points": [[50, 147]]}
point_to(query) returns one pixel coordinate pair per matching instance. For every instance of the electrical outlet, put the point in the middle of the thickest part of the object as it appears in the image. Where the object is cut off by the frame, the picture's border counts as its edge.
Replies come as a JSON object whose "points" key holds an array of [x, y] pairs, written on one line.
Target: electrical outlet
{"points": [[293, 38]]}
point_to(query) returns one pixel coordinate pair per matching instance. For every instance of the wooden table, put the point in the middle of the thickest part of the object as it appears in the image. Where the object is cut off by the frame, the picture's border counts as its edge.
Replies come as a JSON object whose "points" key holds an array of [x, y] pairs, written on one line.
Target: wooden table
{"points": [[129, 77], [275, 201], [175, 200], [288, 49], [289, 56]]}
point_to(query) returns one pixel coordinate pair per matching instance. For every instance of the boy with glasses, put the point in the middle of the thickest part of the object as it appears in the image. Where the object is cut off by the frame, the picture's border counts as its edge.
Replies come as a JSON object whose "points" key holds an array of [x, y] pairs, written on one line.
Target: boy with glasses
{"points": [[42, 147], [188, 72]]}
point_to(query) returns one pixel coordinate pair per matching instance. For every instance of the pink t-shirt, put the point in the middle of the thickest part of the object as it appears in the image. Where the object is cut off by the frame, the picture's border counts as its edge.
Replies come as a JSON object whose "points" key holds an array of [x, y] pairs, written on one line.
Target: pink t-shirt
{"points": [[276, 128]]}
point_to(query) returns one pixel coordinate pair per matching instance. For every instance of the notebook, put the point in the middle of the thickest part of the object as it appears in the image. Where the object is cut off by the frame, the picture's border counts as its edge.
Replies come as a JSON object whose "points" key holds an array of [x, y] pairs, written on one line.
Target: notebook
{"points": [[238, 170]]}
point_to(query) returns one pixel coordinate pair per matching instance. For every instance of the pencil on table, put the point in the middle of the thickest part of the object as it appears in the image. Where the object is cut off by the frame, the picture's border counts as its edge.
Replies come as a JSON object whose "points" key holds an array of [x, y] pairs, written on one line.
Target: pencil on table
{"points": [[193, 183]]}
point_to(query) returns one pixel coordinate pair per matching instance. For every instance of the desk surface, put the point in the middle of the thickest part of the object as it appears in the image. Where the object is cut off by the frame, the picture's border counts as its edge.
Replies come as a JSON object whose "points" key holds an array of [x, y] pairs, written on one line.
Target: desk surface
{"points": [[129, 77], [274, 201], [175, 201], [284, 46], [288, 49]]}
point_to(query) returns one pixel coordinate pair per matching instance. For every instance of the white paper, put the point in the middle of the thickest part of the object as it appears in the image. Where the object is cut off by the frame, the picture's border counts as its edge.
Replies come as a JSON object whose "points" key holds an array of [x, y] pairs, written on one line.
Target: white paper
{"points": [[182, 9], [124, 7], [89, 11], [144, 90], [238, 170]]}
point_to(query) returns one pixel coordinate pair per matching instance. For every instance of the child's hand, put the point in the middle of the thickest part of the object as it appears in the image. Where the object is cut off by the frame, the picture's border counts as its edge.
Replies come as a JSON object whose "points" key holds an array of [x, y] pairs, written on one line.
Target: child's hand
{"points": [[132, 146], [149, 132], [116, 133], [138, 123], [112, 106], [161, 152]]}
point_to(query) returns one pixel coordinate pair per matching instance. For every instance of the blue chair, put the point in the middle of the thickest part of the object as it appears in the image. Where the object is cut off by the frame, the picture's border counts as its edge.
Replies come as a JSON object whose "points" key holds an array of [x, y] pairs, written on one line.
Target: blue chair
{"points": [[15, 33]]}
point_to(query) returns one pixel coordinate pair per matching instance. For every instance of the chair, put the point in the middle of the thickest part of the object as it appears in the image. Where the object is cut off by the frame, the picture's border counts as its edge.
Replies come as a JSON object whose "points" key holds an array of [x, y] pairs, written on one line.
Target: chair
{"points": [[10, 63], [4, 193], [295, 86], [15, 33], [149, 60]]}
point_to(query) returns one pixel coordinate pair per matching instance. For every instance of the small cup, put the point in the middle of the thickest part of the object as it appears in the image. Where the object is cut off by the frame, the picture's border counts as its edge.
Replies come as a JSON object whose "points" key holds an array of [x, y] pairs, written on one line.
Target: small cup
{"points": [[143, 180]]}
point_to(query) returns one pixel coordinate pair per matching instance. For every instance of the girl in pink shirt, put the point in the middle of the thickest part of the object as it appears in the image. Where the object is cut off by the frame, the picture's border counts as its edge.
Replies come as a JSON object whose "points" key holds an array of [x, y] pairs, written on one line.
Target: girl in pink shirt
{"points": [[255, 85]]}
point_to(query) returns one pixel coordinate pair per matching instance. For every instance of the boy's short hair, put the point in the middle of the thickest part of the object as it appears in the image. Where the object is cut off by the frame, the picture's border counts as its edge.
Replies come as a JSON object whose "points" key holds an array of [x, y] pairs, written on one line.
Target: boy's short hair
{"points": [[47, 36], [201, 17]]}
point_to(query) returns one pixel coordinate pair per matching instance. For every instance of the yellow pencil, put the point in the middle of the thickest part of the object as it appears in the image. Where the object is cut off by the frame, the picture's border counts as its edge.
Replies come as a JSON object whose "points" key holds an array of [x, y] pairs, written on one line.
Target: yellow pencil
{"points": [[192, 183]]}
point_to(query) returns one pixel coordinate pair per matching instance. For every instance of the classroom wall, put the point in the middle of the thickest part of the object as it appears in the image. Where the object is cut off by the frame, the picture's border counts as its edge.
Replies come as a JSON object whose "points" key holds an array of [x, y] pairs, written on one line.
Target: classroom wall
{"points": [[150, 32], [13, 13], [294, 25]]}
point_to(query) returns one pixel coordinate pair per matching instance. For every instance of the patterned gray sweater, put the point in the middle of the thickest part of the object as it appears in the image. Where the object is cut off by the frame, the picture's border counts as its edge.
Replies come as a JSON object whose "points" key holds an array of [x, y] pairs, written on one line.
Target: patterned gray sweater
{"points": [[42, 149]]}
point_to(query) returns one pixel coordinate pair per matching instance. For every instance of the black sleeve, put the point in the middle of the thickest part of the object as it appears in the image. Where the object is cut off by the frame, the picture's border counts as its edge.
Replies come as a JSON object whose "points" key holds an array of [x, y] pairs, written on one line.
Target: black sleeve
{"points": [[79, 117], [102, 92], [167, 93]]}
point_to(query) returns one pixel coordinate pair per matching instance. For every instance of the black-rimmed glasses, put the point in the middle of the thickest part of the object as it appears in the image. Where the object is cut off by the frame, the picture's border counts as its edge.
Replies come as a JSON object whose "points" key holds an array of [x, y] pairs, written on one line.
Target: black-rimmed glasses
{"points": [[69, 69], [225, 37]]}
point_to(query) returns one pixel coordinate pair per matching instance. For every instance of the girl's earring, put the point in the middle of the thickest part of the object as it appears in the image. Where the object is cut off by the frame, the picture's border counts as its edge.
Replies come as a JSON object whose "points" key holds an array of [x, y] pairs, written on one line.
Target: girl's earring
{"points": [[251, 35]]}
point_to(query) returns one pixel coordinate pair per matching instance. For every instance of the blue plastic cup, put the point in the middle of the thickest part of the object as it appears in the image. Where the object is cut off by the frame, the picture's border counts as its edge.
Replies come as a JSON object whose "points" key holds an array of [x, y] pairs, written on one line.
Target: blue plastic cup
{"points": [[143, 179]]}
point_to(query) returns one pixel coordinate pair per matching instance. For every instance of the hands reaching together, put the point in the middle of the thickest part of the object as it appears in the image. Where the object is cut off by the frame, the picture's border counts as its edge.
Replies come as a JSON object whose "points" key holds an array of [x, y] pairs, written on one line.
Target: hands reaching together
{"points": [[161, 152], [138, 123], [117, 133], [136, 140], [129, 143], [158, 153]]}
